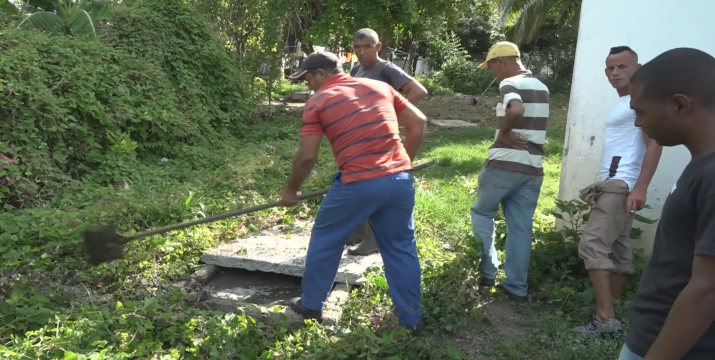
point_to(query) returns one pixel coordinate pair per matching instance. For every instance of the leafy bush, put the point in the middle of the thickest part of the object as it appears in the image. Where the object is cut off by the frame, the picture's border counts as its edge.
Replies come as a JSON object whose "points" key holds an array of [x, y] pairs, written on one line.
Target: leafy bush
{"points": [[209, 86], [443, 50], [435, 85], [76, 108], [464, 76], [458, 73]]}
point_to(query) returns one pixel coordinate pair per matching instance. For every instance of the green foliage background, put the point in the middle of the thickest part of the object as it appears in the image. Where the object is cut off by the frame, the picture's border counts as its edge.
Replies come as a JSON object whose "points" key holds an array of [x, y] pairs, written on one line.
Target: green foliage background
{"points": [[158, 77]]}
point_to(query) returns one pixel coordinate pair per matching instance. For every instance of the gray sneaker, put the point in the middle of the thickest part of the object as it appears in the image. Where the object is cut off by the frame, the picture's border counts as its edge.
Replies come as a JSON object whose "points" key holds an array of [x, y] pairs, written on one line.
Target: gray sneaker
{"points": [[595, 328]]}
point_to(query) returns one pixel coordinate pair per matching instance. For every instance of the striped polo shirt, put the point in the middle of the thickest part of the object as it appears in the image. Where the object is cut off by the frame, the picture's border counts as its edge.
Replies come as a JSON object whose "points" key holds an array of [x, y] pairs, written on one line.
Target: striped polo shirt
{"points": [[359, 118], [532, 126]]}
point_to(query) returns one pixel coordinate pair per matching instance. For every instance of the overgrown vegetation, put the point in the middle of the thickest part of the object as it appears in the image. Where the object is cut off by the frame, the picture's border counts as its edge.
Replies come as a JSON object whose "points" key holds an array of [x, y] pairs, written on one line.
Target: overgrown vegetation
{"points": [[152, 117], [80, 109]]}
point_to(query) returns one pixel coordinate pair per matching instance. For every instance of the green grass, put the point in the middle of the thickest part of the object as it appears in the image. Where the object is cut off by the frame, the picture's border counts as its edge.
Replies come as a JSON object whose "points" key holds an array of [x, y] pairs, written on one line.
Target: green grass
{"points": [[126, 310]]}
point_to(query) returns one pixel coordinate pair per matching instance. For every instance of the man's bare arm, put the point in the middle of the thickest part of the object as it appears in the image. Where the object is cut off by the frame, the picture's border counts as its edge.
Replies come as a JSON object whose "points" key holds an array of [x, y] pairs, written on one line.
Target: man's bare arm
{"points": [[650, 163], [514, 112], [415, 91], [691, 315], [304, 161], [414, 122]]}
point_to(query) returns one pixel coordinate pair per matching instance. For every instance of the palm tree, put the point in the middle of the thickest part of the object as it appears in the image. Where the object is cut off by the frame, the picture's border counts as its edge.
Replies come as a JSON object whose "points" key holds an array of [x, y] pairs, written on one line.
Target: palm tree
{"points": [[72, 17], [527, 17]]}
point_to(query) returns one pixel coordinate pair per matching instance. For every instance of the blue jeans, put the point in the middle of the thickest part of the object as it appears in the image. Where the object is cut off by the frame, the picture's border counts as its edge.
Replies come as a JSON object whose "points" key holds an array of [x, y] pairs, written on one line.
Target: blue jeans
{"points": [[627, 354], [518, 194], [388, 203]]}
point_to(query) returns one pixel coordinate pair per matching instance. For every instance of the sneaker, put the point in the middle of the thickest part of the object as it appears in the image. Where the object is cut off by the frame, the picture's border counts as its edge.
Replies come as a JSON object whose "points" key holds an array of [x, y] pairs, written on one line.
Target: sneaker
{"points": [[512, 297], [297, 306], [487, 282], [595, 328]]}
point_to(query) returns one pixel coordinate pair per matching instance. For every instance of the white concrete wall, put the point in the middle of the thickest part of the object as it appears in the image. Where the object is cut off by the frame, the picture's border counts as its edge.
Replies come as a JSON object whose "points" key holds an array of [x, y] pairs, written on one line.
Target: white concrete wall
{"points": [[649, 27]]}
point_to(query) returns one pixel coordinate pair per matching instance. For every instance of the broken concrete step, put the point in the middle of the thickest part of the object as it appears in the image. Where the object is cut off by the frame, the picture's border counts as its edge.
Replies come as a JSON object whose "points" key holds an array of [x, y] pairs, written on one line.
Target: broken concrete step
{"points": [[266, 296], [284, 254], [205, 273], [453, 124]]}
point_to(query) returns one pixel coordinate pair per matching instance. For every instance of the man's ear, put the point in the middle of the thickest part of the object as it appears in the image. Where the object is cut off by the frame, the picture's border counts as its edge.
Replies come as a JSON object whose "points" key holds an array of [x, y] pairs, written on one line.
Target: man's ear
{"points": [[681, 104], [378, 46]]}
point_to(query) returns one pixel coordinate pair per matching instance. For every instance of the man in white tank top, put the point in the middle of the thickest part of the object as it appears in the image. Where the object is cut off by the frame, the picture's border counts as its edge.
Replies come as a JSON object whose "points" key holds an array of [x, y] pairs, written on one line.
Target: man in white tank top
{"points": [[628, 162]]}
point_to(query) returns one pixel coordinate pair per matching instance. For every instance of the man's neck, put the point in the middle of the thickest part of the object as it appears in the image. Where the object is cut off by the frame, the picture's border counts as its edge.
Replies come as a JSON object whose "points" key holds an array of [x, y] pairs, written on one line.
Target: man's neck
{"points": [[624, 91], [516, 70], [329, 80], [700, 142], [373, 63]]}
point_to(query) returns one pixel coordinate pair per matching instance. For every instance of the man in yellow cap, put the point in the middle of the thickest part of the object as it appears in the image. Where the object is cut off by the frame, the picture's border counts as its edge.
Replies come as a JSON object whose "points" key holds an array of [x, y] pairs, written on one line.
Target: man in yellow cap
{"points": [[512, 173]]}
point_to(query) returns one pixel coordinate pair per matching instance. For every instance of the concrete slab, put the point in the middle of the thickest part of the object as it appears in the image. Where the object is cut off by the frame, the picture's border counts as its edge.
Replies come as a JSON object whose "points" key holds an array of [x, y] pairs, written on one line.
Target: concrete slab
{"points": [[453, 124], [284, 254], [266, 296], [205, 273]]}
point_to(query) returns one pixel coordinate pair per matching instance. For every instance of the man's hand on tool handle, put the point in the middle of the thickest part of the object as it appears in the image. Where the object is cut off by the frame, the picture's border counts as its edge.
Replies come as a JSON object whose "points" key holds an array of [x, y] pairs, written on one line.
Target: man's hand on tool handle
{"points": [[289, 197]]}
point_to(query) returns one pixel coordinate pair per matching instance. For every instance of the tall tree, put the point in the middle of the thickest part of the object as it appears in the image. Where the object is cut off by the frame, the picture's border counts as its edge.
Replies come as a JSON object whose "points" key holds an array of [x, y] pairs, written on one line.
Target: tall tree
{"points": [[527, 17]]}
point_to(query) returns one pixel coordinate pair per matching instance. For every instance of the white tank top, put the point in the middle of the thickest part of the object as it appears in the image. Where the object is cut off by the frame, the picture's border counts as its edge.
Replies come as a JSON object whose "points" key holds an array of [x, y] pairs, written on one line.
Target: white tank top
{"points": [[623, 146]]}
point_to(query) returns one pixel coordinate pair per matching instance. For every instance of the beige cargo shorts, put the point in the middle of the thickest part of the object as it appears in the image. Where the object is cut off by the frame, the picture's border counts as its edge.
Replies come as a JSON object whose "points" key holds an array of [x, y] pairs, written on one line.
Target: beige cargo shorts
{"points": [[606, 243]]}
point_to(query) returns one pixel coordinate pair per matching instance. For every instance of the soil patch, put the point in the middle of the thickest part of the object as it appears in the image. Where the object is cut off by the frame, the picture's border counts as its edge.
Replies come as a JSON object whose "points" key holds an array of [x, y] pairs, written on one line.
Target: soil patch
{"points": [[500, 322], [472, 109]]}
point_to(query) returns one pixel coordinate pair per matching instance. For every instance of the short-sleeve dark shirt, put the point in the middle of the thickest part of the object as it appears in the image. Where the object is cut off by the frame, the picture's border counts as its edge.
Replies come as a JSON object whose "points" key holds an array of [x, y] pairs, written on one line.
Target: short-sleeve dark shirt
{"points": [[384, 71], [686, 228]]}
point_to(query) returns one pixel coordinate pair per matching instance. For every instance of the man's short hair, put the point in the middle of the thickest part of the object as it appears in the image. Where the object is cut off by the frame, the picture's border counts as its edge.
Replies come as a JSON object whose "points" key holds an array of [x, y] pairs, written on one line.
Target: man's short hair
{"points": [[685, 71], [367, 33], [619, 49]]}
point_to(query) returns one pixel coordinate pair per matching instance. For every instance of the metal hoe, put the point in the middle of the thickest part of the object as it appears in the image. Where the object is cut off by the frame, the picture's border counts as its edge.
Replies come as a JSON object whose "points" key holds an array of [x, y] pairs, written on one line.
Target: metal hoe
{"points": [[103, 244]]}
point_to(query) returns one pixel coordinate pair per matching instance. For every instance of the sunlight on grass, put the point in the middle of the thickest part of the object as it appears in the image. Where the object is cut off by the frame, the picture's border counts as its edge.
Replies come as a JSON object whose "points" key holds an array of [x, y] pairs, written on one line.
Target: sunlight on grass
{"points": [[448, 190]]}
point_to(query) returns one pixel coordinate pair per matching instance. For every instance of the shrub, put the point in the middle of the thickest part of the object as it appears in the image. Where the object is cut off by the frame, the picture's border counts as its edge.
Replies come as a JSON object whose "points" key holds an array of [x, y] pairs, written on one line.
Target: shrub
{"points": [[464, 76], [76, 107], [64, 97], [209, 86], [435, 85]]}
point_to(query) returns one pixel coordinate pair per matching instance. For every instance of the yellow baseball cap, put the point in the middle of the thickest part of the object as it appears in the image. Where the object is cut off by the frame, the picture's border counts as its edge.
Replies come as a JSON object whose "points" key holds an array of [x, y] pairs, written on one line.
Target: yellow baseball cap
{"points": [[501, 49]]}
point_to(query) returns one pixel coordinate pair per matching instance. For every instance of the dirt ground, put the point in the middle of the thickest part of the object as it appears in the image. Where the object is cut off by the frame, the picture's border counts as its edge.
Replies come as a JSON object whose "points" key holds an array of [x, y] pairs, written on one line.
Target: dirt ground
{"points": [[474, 109], [500, 323]]}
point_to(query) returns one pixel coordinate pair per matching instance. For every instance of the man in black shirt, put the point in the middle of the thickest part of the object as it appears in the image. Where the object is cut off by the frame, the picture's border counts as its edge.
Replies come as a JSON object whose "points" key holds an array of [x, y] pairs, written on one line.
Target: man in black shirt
{"points": [[673, 311]]}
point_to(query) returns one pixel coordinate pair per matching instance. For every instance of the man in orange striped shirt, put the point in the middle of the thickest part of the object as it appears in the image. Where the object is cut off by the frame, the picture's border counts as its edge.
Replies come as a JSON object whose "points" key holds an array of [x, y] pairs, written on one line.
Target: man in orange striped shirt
{"points": [[361, 119]]}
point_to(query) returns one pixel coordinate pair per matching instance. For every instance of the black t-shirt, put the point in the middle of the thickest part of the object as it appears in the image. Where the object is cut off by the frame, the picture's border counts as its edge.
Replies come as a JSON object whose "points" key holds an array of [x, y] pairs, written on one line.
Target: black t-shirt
{"points": [[686, 229]]}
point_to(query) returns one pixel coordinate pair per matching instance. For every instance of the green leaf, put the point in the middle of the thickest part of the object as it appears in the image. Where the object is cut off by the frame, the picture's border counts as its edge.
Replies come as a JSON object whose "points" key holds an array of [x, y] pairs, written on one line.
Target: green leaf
{"points": [[7, 7], [44, 21], [80, 23]]}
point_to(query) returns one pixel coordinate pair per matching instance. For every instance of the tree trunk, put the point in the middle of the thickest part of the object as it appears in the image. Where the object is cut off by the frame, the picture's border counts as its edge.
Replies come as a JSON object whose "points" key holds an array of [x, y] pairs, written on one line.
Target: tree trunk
{"points": [[386, 40], [411, 58]]}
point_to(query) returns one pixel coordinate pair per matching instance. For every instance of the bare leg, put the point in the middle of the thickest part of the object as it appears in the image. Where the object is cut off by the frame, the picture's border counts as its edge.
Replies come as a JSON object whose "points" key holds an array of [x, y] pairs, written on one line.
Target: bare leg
{"points": [[618, 285], [601, 280]]}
